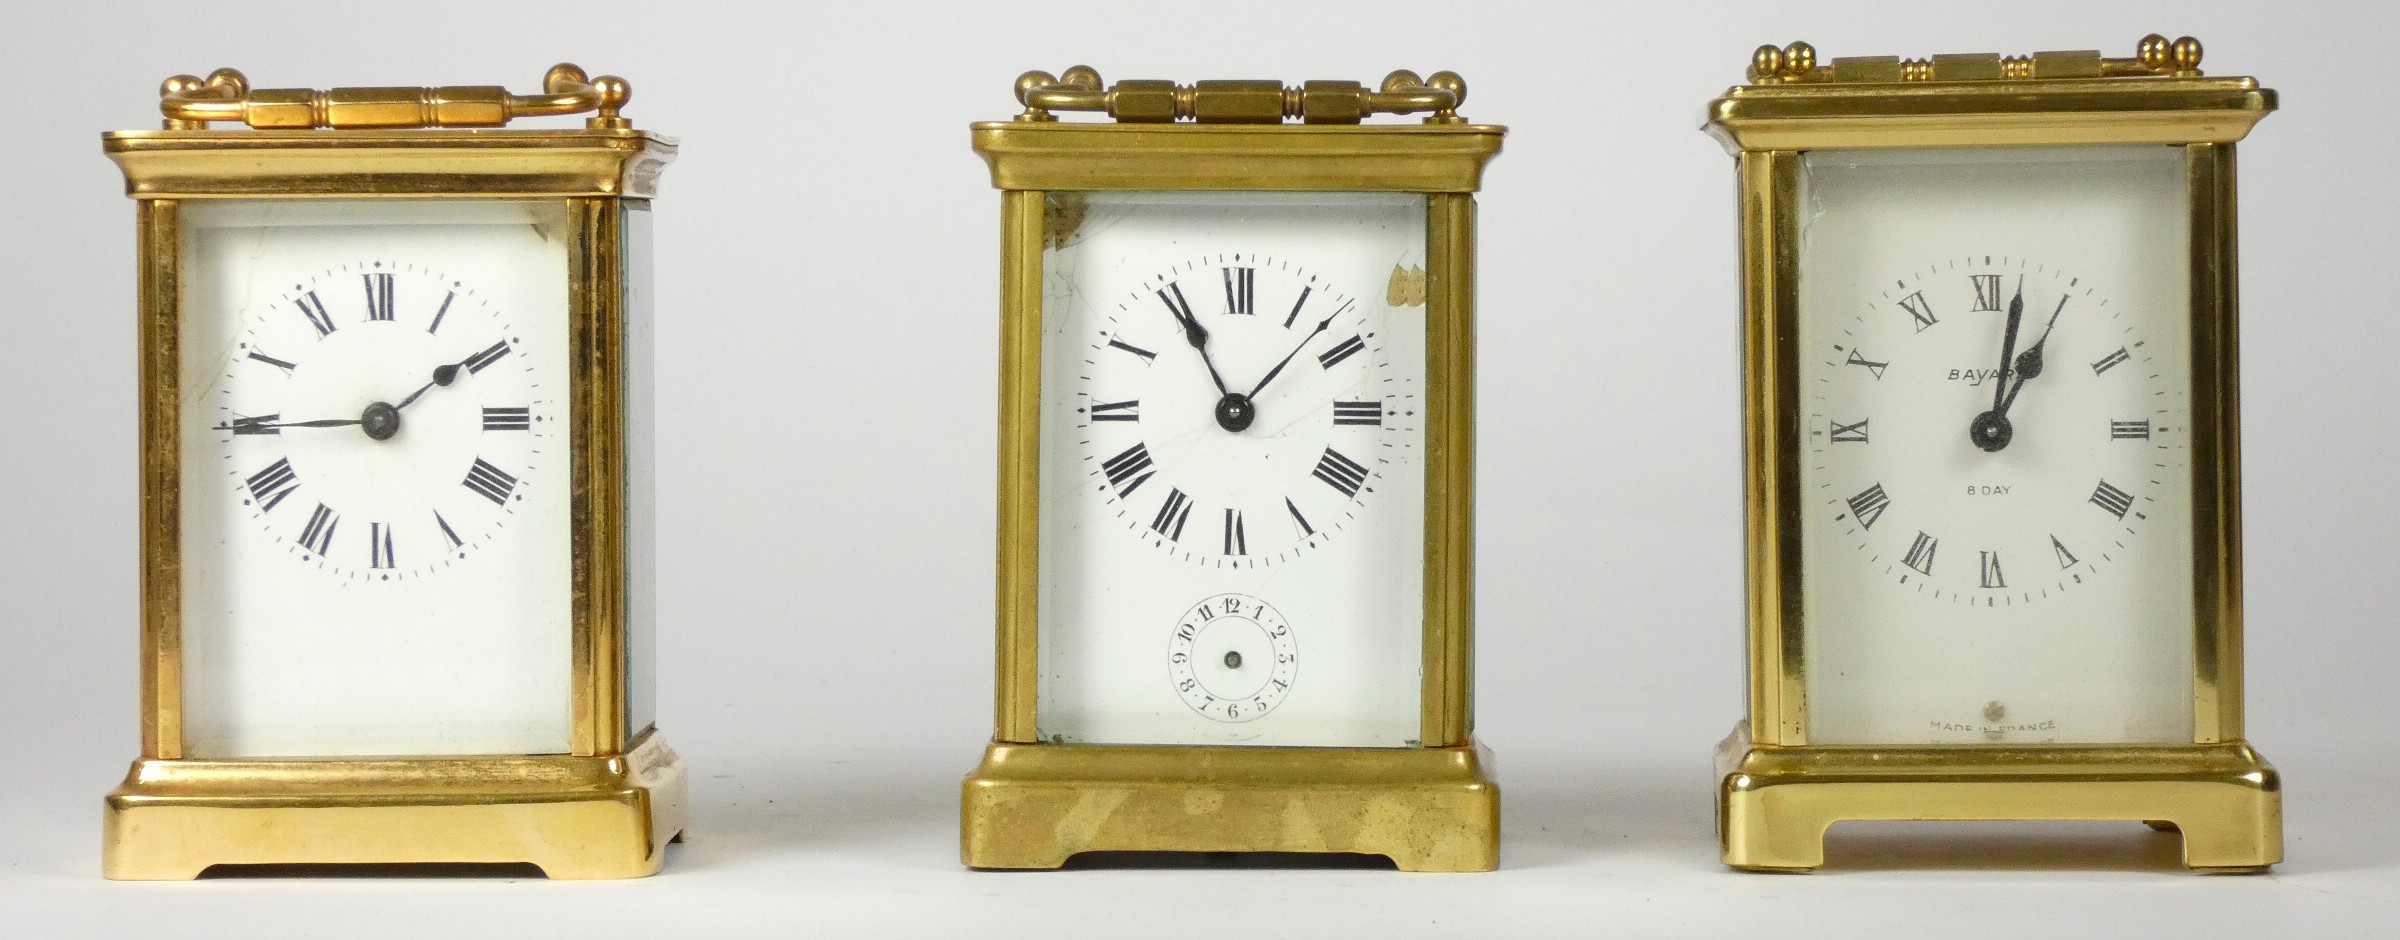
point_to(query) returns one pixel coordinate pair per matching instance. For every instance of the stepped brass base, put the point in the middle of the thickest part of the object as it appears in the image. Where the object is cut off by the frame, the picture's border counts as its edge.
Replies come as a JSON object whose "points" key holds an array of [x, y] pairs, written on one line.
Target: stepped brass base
{"points": [[1775, 803], [1034, 805], [574, 817]]}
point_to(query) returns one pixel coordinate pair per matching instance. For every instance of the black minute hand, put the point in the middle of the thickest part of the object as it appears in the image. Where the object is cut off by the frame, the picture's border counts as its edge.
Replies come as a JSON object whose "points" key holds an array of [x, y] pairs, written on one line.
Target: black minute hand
{"points": [[2008, 346], [244, 424], [1287, 360]]}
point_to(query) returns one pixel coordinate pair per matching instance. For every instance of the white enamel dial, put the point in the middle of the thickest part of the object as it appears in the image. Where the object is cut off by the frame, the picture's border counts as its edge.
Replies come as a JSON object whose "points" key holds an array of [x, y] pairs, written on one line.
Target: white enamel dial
{"points": [[1994, 453], [2060, 475], [1317, 411], [379, 422], [374, 404], [1232, 448]]}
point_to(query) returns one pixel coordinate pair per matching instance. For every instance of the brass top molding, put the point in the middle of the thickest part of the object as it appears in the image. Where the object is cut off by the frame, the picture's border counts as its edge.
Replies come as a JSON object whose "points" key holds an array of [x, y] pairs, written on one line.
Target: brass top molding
{"points": [[2154, 57], [1153, 101], [191, 103]]}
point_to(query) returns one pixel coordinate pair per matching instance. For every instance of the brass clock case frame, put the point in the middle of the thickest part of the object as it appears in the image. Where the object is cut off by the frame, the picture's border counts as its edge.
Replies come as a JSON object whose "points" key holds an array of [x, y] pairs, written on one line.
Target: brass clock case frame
{"points": [[1434, 807], [604, 810], [1778, 792]]}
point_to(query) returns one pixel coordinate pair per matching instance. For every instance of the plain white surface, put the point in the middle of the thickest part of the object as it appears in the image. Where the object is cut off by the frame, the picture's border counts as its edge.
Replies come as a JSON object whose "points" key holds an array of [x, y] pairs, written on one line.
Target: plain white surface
{"points": [[827, 255]]}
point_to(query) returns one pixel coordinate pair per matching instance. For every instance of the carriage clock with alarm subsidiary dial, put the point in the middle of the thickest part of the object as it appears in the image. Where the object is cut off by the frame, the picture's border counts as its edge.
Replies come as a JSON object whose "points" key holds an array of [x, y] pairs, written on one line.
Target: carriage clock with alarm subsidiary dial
{"points": [[396, 489], [1993, 500], [1236, 479]]}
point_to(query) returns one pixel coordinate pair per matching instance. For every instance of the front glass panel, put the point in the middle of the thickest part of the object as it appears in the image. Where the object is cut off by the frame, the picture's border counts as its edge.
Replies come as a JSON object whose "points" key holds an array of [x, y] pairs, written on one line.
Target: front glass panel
{"points": [[1232, 502], [374, 430], [1995, 462]]}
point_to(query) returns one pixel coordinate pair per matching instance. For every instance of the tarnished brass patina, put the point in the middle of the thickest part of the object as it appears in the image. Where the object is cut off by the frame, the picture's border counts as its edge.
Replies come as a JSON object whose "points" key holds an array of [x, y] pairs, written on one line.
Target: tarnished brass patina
{"points": [[1778, 793], [605, 810], [1430, 808]]}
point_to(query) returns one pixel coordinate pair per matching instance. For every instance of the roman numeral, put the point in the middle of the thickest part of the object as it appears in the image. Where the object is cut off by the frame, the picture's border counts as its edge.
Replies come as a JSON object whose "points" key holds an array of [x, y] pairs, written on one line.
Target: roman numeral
{"points": [[269, 486], [270, 360], [440, 312], [1178, 307], [1920, 554], [379, 296], [1238, 282], [1171, 515], [1987, 295], [1306, 530], [317, 536], [1136, 350], [2110, 361], [1296, 305], [1127, 470], [1343, 350], [490, 482], [263, 424], [476, 362], [1872, 366], [1358, 412], [379, 546], [2066, 559], [1235, 542], [1850, 433], [447, 531], [1341, 473], [1991, 570], [507, 419], [314, 310], [2114, 501], [1869, 505], [1117, 410], [2129, 430], [1917, 307]]}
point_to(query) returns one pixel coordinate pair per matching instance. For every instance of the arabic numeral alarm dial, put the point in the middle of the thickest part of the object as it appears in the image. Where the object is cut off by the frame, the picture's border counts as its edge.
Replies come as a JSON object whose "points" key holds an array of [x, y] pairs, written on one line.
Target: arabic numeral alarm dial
{"points": [[373, 409], [1233, 482], [1994, 448]]}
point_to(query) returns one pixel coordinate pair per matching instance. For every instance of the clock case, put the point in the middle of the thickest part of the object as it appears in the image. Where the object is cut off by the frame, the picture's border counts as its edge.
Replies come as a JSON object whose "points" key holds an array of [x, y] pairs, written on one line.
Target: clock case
{"points": [[1778, 793], [1031, 804], [607, 808]]}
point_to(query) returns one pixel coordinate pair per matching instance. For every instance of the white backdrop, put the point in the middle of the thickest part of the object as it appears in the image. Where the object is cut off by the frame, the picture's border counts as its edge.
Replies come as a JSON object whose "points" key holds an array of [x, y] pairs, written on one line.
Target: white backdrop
{"points": [[827, 249]]}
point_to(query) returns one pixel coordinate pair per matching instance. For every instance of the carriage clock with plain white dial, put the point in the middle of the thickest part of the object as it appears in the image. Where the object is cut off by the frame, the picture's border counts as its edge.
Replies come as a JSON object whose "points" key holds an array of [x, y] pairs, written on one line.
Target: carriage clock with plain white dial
{"points": [[1990, 430], [1236, 481], [396, 489]]}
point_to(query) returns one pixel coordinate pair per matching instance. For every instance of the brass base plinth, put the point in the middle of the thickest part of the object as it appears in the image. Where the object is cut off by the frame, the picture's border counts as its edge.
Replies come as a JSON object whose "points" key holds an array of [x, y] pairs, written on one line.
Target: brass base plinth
{"points": [[1034, 805], [574, 817], [1775, 803]]}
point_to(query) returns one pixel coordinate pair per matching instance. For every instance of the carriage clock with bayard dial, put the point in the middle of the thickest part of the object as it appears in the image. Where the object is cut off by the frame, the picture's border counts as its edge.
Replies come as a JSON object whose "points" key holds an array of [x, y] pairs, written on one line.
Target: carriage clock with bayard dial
{"points": [[1994, 518], [396, 490], [1236, 480]]}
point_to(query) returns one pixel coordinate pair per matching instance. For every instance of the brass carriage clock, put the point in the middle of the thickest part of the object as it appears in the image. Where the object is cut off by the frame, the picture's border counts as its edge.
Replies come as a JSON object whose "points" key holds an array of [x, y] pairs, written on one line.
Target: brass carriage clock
{"points": [[396, 490], [1990, 429], [1236, 478]]}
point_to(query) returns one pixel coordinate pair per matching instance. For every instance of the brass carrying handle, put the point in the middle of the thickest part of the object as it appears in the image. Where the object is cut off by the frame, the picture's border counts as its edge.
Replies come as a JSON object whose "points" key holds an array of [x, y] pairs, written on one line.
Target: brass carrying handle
{"points": [[1151, 101], [191, 103], [2154, 56]]}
